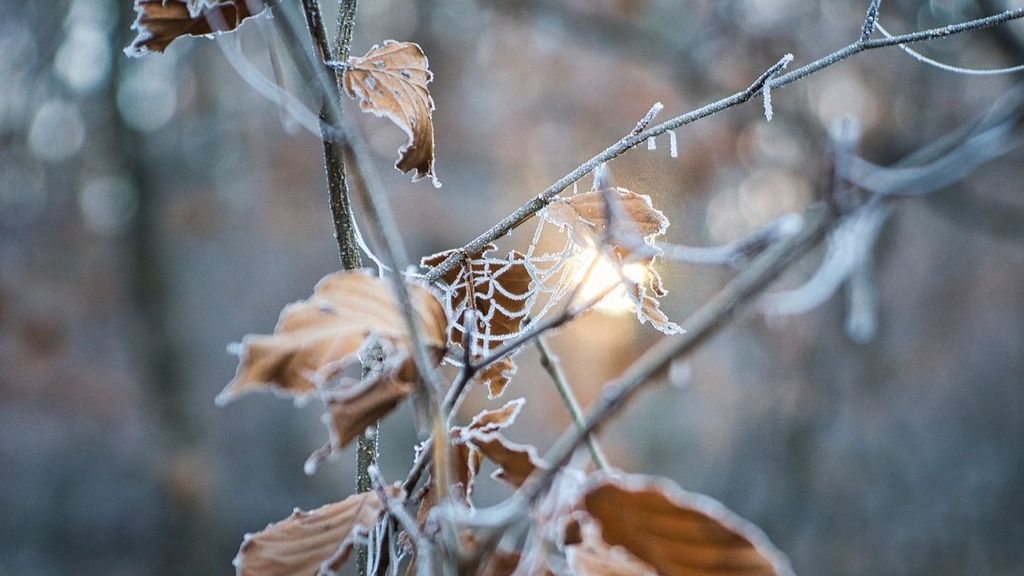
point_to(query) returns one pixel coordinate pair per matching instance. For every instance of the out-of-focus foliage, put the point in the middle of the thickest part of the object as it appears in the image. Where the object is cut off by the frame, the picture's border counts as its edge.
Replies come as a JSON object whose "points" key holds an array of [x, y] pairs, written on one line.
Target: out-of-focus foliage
{"points": [[152, 210]]}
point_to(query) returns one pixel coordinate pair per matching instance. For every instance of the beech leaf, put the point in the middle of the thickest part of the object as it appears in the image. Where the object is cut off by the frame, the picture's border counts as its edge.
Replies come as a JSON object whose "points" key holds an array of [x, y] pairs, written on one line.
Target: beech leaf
{"points": [[315, 338], [497, 291], [160, 22], [678, 532], [351, 411], [515, 461], [309, 543], [593, 557], [391, 81], [585, 215]]}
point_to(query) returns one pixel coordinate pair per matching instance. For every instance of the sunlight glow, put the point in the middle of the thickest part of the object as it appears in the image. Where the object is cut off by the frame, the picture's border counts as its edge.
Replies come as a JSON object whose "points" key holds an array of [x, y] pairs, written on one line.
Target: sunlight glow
{"points": [[603, 276]]}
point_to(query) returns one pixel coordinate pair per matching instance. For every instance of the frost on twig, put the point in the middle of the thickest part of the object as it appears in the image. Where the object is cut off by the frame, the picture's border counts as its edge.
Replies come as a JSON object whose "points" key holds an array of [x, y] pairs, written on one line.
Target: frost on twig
{"points": [[950, 68], [766, 91]]}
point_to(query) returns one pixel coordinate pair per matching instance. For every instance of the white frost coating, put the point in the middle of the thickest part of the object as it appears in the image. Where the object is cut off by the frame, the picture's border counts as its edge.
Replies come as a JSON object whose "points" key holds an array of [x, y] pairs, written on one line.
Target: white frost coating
{"points": [[768, 112], [651, 144], [381, 267], [673, 148], [766, 91], [948, 67], [235, 348]]}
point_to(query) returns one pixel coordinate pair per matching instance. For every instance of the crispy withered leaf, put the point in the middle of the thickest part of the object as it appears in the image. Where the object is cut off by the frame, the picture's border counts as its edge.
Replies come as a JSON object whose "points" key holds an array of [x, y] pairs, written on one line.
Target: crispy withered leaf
{"points": [[677, 532], [515, 461], [585, 214], [593, 557], [391, 81], [308, 543], [314, 337], [350, 410], [160, 22]]}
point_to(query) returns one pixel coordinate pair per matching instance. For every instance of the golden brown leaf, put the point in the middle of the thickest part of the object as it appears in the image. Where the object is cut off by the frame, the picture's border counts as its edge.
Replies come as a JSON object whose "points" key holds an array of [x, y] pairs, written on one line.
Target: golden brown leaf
{"points": [[314, 338], [497, 375], [515, 461], [593, 557], [160, 22], [498, 419], [585, 214], [351, 411], [391, 81], [307, 542], [680, 533]]}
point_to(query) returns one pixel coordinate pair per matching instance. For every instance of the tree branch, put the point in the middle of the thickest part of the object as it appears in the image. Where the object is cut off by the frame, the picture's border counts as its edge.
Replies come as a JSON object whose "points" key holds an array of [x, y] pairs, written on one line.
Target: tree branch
{"points": [[534, 205], [706, 322]]}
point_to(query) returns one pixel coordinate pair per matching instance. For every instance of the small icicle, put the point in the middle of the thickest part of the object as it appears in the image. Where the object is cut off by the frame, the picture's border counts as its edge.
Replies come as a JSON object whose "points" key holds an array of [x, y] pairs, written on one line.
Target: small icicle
{"points": [[673, 149], [767, 93], [651, 144]]}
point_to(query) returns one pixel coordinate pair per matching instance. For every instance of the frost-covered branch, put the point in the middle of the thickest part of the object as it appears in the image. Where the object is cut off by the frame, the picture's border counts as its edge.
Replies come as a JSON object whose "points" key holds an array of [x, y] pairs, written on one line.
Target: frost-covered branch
{"points": [[632, 140]]}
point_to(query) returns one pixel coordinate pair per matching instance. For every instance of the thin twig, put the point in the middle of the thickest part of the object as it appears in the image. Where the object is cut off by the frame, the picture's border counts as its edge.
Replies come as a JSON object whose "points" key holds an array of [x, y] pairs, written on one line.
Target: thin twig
{"points": [[632, 140], [706, 322], [735, 253], [870, 21], [553, 366]]}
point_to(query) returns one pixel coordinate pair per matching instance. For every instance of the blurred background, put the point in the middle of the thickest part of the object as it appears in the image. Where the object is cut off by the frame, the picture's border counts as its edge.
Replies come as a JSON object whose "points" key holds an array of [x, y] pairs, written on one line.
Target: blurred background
{"points": [[154, 210]]}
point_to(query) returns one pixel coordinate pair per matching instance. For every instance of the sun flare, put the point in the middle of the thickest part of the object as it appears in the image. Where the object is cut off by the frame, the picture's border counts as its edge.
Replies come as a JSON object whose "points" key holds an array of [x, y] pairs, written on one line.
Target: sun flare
{"points": [[603, 276]]}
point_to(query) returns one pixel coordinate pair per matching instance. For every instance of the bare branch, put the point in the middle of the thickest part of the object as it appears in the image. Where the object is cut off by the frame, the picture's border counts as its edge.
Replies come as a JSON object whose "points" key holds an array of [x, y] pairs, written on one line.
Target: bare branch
{"points": [[631, 140], [702, 325], [870, 21], [735, 253]]}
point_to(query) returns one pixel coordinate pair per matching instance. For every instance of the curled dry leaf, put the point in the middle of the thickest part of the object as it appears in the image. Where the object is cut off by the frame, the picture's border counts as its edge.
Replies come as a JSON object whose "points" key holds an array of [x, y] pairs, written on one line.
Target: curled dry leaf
{"points": [[499, 419], [593, 557], [515, 461], [160, 22], [497, 291], [352, 409], [309, 543], [629, 223], [585, 215], [497, 375], [648, 308], [677, 532], [391, 81], [464, 457], [316, 338]]}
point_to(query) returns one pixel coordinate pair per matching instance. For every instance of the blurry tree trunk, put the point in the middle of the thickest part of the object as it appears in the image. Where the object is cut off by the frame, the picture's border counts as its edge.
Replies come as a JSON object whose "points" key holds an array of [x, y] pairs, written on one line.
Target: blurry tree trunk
{"points": [[187, 539]]}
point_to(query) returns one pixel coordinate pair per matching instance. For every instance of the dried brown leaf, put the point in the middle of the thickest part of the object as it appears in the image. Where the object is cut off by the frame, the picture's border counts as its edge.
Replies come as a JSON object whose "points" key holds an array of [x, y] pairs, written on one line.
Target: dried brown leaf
{"points": [[593, 557], [497, 375], [160, 22], [498, 419], [317, 336], [678, 532], [350, 412], [307, 543], [465, 456], [391, 81], [515, 461], [648, 309], [585, 214]]}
